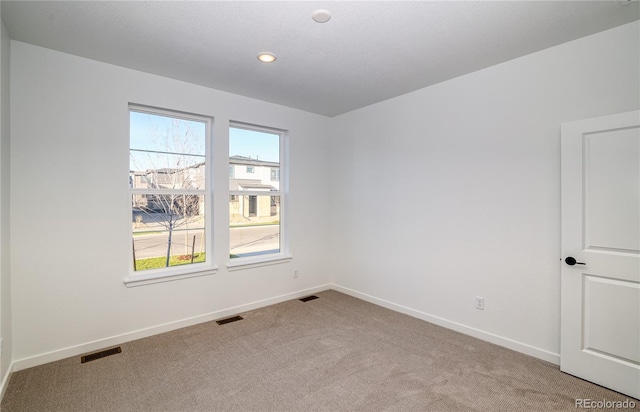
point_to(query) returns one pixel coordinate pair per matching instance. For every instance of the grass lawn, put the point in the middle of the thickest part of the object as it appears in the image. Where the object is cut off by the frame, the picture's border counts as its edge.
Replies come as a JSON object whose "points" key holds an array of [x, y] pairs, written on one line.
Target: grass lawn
{"points": [[277, 222], [146, 233], [160, 262]]}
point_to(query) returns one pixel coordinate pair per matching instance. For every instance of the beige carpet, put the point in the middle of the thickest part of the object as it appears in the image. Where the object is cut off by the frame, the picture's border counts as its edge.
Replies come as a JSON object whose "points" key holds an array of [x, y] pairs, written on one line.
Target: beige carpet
{"points": [[335, 353]]}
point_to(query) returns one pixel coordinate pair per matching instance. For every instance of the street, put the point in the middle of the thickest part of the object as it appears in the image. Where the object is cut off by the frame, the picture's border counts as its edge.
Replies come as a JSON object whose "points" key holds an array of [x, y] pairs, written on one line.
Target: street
{"points": [[254, 239], [243, 240]]}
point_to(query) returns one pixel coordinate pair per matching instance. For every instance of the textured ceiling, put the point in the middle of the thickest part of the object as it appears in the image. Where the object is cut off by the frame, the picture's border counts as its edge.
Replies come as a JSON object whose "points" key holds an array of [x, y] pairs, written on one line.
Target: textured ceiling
{"points": [[368, 52]]}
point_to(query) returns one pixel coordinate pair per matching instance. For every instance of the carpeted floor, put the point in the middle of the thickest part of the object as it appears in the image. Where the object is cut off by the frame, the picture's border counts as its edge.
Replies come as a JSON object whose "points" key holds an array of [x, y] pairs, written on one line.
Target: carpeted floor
{"points": [[335, 353]]}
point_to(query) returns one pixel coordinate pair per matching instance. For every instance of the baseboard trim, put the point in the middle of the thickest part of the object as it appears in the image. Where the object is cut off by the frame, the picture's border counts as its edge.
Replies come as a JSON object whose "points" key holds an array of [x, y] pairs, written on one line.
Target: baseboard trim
{"points": [[83, 348], [5, 381], [24, 363], [458, 327]]}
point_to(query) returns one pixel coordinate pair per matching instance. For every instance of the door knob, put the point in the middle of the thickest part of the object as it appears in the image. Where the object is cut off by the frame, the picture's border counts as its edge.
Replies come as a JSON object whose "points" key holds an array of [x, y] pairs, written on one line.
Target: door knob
{"points": [[572, 261]]}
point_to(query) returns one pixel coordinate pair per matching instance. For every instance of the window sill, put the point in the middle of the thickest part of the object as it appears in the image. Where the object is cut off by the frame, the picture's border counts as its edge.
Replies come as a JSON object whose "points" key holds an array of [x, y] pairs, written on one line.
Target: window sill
{"points": [[151, 278], [248, 263]]}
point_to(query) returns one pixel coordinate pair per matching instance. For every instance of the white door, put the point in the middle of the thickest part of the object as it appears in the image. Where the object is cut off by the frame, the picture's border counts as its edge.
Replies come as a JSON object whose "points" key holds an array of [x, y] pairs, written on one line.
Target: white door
{"points": [[600, 309]]}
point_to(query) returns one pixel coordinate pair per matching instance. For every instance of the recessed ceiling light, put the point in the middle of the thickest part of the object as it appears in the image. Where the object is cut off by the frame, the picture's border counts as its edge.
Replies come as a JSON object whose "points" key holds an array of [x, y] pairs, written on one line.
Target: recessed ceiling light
{"points": [[266, 57], [321, 16]]}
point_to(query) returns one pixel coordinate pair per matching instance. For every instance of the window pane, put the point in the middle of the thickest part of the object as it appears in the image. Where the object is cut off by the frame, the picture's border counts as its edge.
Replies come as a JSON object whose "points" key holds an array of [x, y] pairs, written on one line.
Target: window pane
{"points": [[167, 134], [168, 230], [253, 155], [254, 217], [166, 152], [254, 225], [256, 145], [167, 178]]}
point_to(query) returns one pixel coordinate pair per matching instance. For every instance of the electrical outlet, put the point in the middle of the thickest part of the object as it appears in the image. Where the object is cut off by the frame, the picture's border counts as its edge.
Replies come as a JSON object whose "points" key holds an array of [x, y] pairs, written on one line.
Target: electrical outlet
{"points": [[479, 302], [295, 273]]}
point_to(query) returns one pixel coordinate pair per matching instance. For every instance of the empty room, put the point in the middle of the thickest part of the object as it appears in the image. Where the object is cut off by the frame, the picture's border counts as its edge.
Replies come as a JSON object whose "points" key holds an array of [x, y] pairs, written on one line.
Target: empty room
{"points": [[319, 205]]}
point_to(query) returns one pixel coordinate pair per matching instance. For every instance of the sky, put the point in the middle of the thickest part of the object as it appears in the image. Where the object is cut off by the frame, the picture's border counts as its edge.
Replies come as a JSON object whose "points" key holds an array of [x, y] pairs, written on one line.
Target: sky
{"points": [[250, 143], [149, 132]]}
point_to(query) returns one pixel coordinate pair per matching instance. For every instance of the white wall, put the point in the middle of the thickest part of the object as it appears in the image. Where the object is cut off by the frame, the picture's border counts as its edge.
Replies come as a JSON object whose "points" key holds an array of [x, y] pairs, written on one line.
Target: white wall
{"points": [[453, 191], [433, 198], [5, 150], [70, 215]]}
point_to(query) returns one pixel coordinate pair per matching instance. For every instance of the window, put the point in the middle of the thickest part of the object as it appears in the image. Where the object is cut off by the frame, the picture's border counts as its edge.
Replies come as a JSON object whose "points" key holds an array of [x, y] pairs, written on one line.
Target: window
{"points": [[231, 172], [168, 175], [250, 169], [257, 203]]}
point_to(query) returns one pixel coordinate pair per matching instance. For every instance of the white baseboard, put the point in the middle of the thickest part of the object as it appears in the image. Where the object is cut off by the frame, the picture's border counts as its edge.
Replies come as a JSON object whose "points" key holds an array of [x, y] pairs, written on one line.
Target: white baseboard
{"points": [[458, 327], [24, 363], [99, 344], [5, 381]]}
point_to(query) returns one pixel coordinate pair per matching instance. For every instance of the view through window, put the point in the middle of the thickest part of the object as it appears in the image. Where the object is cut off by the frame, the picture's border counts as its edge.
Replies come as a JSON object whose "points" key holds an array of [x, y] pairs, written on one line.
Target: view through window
{"points": [[255, 205], [167, 181]]}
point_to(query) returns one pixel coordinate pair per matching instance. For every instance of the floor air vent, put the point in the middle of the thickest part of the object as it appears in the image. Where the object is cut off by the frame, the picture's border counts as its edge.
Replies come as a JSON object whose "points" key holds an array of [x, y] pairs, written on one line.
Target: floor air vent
{"points": [[308, 298], [101, 354], [229, 320]]}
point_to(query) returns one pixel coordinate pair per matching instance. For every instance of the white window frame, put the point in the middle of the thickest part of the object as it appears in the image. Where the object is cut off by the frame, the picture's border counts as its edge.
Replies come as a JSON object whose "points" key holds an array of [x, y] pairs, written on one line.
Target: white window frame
{"points": [[284, 254], [138, 278]]}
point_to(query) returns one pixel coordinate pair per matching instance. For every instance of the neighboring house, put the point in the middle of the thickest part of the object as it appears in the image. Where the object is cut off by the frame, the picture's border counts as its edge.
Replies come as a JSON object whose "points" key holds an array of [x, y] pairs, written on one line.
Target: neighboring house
{"points": [[247, 174], [192, 177]]}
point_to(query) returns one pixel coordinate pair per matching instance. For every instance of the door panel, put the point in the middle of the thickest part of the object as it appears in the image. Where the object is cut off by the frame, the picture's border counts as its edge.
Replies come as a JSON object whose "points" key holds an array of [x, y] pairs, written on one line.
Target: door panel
{"points": [[611, 177], [600, 319], [606, 299]]}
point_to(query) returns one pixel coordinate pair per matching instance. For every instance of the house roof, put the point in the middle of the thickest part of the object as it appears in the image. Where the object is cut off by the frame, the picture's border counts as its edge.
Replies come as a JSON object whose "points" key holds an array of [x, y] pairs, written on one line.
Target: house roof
{"points": [[242, 160], [248, 184]]}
